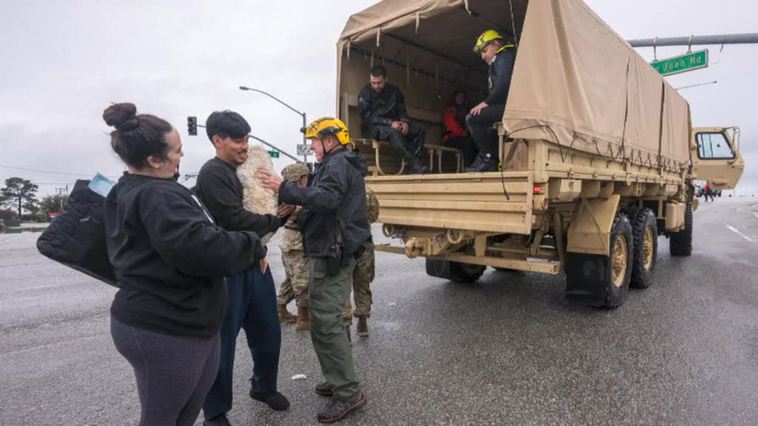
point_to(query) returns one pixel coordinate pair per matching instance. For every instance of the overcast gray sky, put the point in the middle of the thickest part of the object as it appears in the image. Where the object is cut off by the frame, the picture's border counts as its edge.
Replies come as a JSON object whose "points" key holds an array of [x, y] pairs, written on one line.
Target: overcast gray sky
{"points": [[63, 62]]}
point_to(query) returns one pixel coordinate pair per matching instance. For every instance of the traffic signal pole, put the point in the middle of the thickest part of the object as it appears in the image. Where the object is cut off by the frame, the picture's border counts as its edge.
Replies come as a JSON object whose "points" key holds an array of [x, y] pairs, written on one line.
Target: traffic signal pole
{"points": [[274, 147]]}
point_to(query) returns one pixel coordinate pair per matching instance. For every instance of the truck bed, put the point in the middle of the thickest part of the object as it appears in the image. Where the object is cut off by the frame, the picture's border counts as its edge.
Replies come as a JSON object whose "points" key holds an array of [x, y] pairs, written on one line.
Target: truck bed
{"points": [[466, 201]]}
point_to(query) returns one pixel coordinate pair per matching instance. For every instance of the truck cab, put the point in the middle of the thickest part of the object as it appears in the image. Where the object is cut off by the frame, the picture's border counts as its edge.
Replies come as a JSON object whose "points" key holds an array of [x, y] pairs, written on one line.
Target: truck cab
{"points": [[715, 156]]}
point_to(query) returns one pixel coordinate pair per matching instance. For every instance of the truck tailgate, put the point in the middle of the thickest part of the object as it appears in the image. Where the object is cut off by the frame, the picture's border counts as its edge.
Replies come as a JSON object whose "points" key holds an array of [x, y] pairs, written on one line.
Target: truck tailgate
{"points": [[465, 201]]}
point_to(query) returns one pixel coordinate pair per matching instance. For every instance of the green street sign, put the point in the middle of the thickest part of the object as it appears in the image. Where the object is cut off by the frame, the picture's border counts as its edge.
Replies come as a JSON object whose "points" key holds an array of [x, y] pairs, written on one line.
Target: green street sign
{"points": [[682, 63], [273, 154]]}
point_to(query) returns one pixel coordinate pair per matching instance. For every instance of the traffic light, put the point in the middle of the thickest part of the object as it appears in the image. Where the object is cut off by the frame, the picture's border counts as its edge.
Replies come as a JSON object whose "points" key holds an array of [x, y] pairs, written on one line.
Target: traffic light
{"points": [[192, 126]]}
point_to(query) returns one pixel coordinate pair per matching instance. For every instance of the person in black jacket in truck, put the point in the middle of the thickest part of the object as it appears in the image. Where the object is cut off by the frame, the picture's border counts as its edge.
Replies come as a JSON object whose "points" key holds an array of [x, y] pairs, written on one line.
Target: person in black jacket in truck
{"points": [[384, 117], [169, 259], [500, 57], [252, 293]]}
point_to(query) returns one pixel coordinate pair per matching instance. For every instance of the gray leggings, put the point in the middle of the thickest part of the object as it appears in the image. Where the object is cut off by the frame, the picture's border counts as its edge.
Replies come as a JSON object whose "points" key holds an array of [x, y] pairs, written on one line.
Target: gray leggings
{"points": [[174, 373]]}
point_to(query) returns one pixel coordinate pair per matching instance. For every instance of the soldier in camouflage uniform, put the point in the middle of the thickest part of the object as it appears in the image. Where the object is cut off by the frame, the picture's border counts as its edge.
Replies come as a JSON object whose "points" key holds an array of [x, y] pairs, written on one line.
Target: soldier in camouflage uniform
{"points": [[363, 275], [295, 285]]}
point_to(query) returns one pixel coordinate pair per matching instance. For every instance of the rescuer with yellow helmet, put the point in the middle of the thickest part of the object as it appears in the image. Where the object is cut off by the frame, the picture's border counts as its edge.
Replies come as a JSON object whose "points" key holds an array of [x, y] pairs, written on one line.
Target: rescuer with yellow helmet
{"points": [[335, 231], [500, 56]]}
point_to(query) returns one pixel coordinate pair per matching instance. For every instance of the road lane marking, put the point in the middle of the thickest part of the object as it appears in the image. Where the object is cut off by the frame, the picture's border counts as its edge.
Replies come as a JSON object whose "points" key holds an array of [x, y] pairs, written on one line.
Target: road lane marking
{"points": [[731, 228]]}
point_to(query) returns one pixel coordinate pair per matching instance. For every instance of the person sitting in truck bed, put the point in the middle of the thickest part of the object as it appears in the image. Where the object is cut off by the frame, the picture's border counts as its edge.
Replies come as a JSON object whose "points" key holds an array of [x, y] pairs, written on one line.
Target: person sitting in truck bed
{"points": [[384, 117], [454, 126], [500, 56]]}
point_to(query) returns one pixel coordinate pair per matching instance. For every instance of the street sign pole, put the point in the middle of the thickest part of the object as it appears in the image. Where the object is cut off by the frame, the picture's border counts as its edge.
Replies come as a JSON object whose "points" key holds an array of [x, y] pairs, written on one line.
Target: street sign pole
{"points": [[695, 40], [274, 147]]}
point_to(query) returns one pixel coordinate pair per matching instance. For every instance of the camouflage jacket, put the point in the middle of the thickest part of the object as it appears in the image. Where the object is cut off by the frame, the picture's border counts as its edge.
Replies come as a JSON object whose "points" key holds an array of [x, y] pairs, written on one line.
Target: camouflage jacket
{"points": [[292, 239], [372, 206]]}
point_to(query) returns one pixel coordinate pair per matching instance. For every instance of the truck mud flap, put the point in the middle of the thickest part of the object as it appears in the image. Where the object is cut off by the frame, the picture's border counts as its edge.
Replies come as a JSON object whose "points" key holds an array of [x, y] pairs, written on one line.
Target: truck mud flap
{"points": [[585, 278], [439, 268]]}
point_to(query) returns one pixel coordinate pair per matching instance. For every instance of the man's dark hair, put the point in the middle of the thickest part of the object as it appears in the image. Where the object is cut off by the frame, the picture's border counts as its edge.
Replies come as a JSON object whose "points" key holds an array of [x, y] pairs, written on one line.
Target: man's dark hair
{"points": [[379, 71], [226, 124]]}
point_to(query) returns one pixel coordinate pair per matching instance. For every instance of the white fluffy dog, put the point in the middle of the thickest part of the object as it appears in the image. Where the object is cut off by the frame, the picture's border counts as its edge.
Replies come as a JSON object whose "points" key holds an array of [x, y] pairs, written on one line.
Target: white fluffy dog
{"points": [[256, 198]]}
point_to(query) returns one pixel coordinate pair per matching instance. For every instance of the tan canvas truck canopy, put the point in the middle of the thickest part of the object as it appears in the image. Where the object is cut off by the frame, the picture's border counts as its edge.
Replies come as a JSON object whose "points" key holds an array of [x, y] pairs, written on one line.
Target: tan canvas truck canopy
{"points": [[575, 81]]}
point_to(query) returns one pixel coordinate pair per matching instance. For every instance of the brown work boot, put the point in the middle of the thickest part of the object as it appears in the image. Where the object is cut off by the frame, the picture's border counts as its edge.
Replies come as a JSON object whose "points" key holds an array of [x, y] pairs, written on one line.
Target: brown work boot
{"points": [[362, 328], [303, 319], [285, 316], [336, 410]]}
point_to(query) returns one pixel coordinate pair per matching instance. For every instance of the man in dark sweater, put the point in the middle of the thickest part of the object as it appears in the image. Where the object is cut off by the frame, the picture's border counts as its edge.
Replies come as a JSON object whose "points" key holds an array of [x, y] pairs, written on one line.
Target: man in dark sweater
{"points": [[384, 117], [252, 294]]}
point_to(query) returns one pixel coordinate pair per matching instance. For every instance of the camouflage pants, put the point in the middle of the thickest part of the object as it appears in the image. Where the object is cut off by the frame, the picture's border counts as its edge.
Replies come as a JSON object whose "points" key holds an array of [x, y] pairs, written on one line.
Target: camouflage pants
{"points": [[295, 284], [363, 275]]}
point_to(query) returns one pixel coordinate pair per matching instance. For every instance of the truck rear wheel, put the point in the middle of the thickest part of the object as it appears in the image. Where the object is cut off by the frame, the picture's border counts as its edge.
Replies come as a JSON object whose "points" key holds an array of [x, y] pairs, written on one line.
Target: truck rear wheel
{"points": [[600, 280], [645, 236], [680, 243], [453, 271]]}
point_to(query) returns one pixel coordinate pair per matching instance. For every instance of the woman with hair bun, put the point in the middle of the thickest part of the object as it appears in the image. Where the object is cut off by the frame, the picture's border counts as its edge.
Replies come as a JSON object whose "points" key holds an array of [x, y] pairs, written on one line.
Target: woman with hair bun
{"points": [[169, 260]]}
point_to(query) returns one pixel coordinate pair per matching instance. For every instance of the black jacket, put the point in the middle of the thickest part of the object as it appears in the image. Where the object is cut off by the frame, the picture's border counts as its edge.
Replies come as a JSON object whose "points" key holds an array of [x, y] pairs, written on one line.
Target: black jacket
{"points": [[76, 238], [336, 194], [500, 73], [220, 190], [381, 109], [165, 250]]}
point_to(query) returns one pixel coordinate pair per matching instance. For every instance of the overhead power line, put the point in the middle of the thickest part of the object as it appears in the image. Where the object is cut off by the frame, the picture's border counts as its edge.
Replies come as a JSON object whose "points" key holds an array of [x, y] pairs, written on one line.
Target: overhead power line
{"points": [[52, 172]]}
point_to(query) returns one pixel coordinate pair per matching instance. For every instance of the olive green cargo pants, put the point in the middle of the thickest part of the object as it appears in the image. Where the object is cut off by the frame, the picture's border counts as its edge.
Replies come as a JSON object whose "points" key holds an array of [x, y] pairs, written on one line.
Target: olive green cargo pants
{"points": [[327, 301]]}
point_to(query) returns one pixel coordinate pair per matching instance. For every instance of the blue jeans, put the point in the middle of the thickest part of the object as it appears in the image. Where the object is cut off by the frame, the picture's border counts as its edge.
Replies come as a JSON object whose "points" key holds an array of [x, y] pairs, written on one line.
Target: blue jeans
{"points": [[252, 306]]}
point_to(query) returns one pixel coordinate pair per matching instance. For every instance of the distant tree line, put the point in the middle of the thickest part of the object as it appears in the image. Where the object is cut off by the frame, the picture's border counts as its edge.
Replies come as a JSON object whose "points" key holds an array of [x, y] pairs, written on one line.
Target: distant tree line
{"points": [[19, 195]]}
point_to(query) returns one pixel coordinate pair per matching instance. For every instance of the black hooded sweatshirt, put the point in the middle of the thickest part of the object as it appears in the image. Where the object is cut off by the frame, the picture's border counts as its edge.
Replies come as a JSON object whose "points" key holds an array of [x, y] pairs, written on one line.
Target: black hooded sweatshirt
{"points": [[220, 190], [335, 201], [169, 257]]}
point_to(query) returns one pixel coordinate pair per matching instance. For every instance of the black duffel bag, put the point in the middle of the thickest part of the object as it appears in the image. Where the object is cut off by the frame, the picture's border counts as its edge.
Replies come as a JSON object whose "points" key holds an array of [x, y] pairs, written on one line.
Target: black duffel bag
{"points": [[76, 237]]}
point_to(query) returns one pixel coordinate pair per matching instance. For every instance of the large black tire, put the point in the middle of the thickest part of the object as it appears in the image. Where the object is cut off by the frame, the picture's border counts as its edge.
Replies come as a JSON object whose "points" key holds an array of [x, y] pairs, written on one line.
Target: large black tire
{"points": [[603, 281], [680, 243], [454, 271], [645, 237]]}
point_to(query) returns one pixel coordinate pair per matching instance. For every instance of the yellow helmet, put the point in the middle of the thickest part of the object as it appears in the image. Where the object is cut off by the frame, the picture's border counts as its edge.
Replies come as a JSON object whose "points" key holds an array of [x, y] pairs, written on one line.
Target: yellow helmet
{"points": [[327, 126], [486, 38]]}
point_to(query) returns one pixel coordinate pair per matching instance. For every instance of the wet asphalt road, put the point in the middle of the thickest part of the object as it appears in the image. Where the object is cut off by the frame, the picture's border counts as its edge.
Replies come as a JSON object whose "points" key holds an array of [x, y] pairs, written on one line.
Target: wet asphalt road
{"points": [[508, 350]]}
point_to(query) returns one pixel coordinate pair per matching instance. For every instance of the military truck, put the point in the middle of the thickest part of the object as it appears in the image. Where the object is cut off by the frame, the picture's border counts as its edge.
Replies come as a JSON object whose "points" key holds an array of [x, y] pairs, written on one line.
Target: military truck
{"points": [[597, 150]]}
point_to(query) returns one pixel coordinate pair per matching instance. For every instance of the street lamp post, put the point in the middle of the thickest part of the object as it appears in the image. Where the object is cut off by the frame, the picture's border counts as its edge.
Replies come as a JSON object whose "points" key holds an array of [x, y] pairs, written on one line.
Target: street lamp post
{"points": [[302, 114]]}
